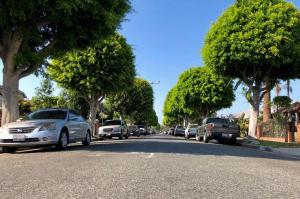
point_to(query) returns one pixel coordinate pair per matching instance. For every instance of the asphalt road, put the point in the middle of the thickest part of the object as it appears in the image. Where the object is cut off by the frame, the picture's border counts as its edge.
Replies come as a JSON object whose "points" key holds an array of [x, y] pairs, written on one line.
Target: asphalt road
{"points": [[148, 167]]}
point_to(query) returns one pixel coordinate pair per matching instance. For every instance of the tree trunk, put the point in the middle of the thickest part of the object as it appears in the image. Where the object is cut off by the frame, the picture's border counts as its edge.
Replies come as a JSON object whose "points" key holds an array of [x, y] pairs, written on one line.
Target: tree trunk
{"points": [[288, 87], [254, 112], [10, 98], [93, 103], [185, 121], [267, 107]]}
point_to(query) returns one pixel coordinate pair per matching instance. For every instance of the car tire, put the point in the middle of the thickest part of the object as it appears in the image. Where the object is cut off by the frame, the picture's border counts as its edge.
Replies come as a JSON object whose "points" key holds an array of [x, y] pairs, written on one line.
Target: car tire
{"points": [[233, 141], [87, 140], [8, 149], [205, 138], [63, 140]]}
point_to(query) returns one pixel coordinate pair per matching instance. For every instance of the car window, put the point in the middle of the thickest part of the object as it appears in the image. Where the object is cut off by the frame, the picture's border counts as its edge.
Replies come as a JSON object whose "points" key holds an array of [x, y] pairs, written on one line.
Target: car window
{"points": [[112, 122], [73, 116], [47, 114], [218, 120]]}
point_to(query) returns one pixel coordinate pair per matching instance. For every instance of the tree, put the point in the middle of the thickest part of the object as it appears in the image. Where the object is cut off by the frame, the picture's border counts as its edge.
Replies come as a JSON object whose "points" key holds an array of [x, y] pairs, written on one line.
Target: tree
{"points": [[73, 100], [256, 42], [25, 107], [135, 104], [32, 31], [282, 101], [267, 106], [198, 93], [44, 96], [106, 68], [172, 110], [202, 92]]}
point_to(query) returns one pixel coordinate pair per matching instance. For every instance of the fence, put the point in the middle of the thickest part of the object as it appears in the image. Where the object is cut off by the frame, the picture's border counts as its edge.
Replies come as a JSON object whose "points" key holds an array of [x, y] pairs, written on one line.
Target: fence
{"points": [[273, 130]]}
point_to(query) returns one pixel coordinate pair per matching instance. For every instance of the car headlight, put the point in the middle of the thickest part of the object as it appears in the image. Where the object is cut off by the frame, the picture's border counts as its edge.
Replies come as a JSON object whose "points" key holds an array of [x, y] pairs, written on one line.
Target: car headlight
{"points": [[117, 129], [48, 126]]}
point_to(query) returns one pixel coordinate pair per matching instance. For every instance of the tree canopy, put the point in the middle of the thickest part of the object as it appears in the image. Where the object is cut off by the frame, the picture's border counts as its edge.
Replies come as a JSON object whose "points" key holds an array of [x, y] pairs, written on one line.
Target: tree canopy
{"points": [[203, 92], [32, 31], [198, 93], [106, 68], [257, 42], [135, 104]]}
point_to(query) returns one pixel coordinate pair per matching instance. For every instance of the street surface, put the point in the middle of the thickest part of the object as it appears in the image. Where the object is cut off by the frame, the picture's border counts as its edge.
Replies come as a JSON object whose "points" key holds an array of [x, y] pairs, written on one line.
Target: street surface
{"points": [[158, 166]]}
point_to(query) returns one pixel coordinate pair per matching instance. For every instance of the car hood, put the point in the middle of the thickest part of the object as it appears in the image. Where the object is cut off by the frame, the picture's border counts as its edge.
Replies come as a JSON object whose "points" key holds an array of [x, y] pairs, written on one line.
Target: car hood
{"points": [[110, 127], [29, 123]]}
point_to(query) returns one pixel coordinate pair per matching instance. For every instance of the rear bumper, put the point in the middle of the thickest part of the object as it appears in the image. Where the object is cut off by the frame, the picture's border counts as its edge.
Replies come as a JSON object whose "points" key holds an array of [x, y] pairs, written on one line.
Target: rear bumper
{"points": [[220, 135]]}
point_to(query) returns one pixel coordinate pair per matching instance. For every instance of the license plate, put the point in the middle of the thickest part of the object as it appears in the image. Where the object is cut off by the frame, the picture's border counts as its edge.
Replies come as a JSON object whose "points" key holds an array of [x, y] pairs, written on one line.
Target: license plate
{"points": [[19, 138], [226, 135]]}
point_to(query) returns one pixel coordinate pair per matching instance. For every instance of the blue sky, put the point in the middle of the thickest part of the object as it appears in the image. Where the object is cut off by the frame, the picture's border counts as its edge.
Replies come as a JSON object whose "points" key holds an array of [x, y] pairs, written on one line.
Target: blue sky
{"points": [[167, 37]]}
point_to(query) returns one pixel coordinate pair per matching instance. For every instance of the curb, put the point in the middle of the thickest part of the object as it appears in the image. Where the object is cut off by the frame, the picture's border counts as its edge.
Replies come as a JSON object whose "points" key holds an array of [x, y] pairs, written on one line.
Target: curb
{"points": [[270, 150]]}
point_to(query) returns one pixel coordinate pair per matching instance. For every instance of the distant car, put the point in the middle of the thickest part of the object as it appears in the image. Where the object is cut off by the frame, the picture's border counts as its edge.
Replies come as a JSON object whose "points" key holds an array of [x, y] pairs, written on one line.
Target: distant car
{"points": [[220, 129], [134, 130], [142, 129], [57, 127], [191, 131], [179, 131], [113, 128]]}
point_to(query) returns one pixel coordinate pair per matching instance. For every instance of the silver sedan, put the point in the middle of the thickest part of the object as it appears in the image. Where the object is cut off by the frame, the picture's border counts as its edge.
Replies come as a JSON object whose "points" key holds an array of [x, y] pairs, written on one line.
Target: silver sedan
{"points": [[57, 127]]}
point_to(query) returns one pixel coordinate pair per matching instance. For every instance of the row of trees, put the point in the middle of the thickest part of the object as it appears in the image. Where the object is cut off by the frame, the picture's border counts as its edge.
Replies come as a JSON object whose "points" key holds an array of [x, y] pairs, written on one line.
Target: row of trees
{"points": [[34, 31], [198, 93], [256, 43]]}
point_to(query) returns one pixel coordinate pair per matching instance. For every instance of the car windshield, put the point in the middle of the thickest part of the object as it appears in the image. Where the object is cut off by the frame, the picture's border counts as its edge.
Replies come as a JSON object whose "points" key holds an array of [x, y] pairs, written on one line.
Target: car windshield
{"points": [[112, 123], [218, 121], [47, 114], [141, 126]]}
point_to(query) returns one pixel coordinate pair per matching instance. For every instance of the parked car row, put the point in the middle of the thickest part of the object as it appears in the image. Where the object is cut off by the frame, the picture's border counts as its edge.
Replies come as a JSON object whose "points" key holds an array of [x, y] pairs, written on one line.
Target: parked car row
{"points": [[60, 127], [119, 129], [220, 129]]}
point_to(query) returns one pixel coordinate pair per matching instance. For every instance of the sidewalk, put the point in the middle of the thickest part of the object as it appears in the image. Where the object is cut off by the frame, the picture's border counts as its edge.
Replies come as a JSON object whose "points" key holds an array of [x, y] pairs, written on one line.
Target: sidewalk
{"points": [[285, 149]]}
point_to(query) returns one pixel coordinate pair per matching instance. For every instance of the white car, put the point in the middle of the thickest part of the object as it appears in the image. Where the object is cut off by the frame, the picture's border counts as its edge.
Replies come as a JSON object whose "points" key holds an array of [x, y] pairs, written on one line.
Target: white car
{"points": [[113, 128], [57, 127], [191, 131]]}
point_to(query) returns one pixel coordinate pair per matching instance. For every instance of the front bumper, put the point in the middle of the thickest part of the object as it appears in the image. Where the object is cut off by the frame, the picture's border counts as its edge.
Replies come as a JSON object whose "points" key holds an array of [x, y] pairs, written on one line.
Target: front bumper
{"points": [[113, 134], [35, 138]]}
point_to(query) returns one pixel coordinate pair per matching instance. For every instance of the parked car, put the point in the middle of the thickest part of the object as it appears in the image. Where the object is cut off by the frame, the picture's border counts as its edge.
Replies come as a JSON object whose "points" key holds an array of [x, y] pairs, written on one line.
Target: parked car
{"points": [[142, 129], [57, 127], [134, 130], [220, 129], [191, 131], [113, 128], [179, 131]]}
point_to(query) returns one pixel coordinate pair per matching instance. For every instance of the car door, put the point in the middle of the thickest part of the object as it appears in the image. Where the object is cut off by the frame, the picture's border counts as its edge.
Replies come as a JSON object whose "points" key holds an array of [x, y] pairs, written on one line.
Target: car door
{"points": [[74, 126]]}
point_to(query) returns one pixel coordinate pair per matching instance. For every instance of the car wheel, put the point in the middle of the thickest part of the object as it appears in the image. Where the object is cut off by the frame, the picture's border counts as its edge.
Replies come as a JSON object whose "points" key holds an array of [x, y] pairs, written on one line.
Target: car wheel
{"points": [[87, 140], [232, 141], [205, 138], [8, 149], [63, 140]]}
